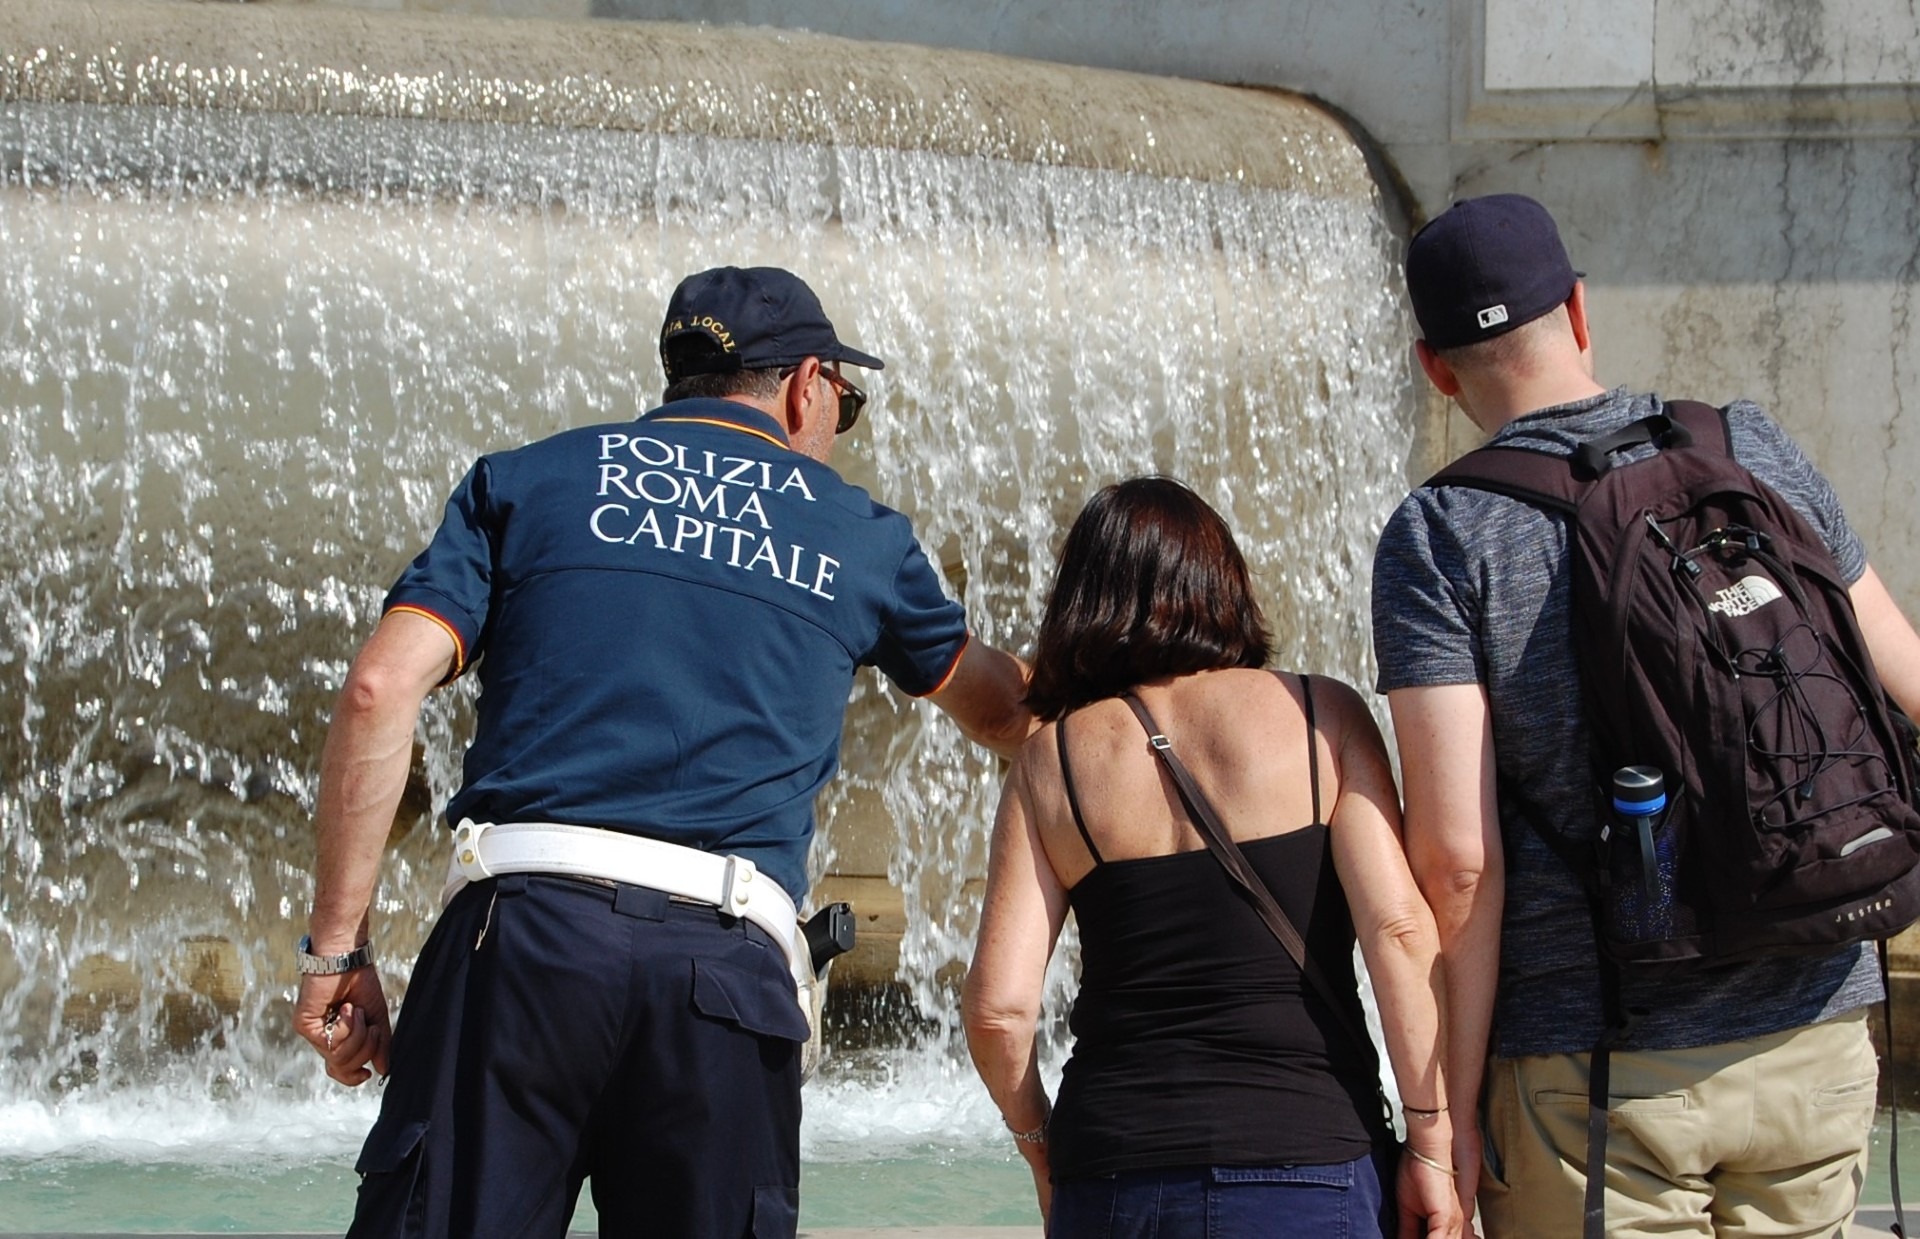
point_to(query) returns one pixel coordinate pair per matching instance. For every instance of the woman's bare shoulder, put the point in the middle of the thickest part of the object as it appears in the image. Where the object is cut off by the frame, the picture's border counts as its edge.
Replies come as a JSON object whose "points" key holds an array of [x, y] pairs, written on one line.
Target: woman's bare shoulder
{"points": [[1337, 699]]}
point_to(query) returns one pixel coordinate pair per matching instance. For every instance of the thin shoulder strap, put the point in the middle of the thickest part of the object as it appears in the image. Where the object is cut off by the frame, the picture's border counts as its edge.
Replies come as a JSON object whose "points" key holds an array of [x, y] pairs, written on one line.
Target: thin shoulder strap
{"points": [[1073, 796], [1313, 750], [1243, 874]]}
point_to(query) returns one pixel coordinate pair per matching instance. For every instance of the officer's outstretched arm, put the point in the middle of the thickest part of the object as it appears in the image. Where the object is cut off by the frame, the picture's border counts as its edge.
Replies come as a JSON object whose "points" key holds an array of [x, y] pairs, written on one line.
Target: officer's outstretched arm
{"points": [[987, 696], [363, 771], [1890, 639]]}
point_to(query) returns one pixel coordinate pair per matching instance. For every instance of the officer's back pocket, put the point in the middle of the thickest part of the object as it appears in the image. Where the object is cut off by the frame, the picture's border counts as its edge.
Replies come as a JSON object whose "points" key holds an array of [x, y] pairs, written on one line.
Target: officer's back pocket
{"points": [[393, 1202], [757, 999]]}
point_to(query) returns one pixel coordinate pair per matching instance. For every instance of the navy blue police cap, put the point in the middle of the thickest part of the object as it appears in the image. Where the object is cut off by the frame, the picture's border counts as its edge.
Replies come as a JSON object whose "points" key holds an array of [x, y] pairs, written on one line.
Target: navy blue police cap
{"points": [[1485, 266], [751, 318]]}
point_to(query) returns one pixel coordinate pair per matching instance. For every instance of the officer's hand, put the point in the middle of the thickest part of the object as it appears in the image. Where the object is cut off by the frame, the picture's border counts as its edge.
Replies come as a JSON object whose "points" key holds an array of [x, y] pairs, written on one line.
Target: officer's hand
{"points": [[345, 1018]]}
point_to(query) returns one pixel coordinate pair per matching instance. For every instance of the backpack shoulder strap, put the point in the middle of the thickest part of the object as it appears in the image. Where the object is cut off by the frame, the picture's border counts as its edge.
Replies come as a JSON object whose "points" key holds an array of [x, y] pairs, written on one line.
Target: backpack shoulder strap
{"points": [[1557, 483], [1518, 473]]}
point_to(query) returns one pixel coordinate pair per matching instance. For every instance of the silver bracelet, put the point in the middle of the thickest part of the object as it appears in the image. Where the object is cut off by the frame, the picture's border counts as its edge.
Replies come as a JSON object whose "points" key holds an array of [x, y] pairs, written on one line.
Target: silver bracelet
{"points": [[1424, 1160], [1037, 1136]]}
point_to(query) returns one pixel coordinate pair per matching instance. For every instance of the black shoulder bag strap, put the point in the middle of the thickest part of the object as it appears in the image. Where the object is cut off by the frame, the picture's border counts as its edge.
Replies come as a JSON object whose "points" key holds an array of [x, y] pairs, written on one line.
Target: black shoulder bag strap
{"points": [[1235, 863]]}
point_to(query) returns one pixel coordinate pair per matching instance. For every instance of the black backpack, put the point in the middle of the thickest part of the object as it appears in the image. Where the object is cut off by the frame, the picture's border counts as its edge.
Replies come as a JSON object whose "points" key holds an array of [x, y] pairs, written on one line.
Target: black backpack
{"points": [[1717, 645]]}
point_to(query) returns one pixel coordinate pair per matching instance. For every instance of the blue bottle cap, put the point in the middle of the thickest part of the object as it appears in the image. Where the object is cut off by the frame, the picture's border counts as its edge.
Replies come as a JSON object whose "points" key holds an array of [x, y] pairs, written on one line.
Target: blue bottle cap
{"points": [[1639, 790]]}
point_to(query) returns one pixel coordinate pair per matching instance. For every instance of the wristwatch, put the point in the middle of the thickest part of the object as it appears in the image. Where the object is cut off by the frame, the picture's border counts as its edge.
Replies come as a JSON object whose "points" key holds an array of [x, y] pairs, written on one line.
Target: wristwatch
{"points": [[311, 965]]}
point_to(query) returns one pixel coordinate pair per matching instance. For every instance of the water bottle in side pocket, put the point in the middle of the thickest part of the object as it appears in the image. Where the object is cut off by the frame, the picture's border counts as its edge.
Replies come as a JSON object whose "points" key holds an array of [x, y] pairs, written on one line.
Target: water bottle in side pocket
{"points": [[1640, 857]]}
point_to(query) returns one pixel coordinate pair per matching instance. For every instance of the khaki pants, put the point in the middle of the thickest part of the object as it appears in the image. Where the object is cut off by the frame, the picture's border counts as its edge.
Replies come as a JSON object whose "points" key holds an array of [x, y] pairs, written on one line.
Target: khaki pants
{"points": [[1763, 1137]]}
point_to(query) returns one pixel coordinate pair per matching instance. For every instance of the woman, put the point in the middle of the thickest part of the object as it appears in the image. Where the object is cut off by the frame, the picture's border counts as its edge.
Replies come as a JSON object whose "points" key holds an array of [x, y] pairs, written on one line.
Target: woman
{"points": [[1212, 1091]]}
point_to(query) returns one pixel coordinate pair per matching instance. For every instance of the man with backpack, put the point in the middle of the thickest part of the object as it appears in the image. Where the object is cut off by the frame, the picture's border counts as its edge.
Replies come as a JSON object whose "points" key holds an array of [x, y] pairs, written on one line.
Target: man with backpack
{"points": [[1681, 996]]}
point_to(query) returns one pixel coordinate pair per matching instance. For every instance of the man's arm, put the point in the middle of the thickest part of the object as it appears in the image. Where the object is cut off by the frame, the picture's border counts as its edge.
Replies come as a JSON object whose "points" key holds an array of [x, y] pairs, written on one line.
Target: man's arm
{"points": [[986, 695], [1890, 639], [363, 771], [1452, 830]]}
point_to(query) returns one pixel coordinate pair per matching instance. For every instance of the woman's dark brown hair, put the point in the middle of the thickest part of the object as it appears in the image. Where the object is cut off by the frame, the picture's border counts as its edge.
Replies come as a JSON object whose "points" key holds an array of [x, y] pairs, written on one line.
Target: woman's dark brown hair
{"points": [[1150, 584]]}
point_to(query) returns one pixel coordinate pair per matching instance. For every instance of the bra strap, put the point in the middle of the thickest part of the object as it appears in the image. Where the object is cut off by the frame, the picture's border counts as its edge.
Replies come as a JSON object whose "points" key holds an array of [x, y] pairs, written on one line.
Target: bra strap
{"points": [[1073, 796], [1313, 749]]}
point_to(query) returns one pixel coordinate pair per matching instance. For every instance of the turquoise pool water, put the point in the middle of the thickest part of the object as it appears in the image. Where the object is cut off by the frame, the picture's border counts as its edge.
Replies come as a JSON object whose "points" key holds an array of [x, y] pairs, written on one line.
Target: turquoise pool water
{"points": [[925, 1186], [899, 1141], [977, 1182]]}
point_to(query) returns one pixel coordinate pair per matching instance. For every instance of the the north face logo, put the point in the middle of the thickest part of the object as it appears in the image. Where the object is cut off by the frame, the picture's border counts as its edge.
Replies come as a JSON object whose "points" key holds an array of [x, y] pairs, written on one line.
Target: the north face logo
{"points": [[1745, 596]]}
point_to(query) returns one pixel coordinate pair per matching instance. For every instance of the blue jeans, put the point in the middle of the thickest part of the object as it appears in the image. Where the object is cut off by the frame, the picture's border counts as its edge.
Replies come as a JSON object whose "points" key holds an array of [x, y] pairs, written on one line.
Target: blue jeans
{"points": [[1347, 1200]]}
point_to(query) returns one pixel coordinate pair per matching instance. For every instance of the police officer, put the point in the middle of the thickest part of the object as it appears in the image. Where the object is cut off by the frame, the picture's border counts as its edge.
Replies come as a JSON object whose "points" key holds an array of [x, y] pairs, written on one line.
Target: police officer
{"points": [[671, 611]]}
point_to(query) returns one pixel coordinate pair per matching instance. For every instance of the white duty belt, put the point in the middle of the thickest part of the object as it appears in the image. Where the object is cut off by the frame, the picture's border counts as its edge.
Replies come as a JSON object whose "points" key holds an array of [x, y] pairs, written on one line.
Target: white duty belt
{"points": [[732, 884]]}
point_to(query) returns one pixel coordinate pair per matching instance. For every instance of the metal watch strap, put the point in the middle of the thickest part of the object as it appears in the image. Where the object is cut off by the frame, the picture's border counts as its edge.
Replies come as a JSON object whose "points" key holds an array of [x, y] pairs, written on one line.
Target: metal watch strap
{"points": [[311, 965]]}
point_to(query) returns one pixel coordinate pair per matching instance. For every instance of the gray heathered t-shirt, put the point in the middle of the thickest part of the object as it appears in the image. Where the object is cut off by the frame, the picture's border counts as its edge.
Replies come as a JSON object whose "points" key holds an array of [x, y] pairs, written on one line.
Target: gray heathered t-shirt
{"points": [[1472, 587]]}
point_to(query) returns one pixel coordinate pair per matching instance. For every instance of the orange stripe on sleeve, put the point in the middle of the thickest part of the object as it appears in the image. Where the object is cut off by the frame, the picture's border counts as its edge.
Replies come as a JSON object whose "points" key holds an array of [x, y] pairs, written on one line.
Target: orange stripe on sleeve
{"points": [[953, 667], [459, 646]]}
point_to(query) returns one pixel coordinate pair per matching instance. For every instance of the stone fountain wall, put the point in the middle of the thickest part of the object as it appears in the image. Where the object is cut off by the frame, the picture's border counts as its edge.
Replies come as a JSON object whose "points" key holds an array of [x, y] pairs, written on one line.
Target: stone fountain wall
{"points": [[272, 275], [1740, 179]]}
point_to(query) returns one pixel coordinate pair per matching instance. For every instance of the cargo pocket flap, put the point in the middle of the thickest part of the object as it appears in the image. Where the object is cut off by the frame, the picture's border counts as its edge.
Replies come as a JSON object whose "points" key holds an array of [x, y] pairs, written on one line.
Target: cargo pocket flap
{"points": [[755, 1001], [388, 1147], [776, 1212]]}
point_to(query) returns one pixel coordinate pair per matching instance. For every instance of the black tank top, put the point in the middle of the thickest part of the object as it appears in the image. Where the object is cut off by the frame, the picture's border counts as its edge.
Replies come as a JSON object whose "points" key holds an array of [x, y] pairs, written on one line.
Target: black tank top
{"points": [[1196, 1040]]}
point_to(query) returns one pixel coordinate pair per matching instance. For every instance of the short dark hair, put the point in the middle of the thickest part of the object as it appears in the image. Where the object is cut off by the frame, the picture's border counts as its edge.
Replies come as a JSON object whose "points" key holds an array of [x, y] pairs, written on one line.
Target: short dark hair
{"points": [[1516, 350], [1150, 584], [758, 384]]}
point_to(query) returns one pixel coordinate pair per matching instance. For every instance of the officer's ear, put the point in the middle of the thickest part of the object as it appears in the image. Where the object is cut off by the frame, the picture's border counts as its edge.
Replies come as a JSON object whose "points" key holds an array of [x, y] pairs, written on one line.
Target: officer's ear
{"points": [[802, 393]]}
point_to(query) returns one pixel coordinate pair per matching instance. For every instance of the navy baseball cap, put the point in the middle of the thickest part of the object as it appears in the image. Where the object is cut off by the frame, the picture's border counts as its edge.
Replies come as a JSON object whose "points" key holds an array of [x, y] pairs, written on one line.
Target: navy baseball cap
{"points": [[1485, 266], [752, 318]]}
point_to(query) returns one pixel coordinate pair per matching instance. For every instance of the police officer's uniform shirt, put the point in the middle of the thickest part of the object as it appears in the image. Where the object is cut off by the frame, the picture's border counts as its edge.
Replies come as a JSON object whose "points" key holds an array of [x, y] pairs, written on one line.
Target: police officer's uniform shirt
{"points": [[670, 612]]}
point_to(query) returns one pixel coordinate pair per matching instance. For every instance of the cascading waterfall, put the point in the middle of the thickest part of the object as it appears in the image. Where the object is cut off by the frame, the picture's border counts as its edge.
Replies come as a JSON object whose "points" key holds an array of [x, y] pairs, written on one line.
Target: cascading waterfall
{"points": [[256, 320]]}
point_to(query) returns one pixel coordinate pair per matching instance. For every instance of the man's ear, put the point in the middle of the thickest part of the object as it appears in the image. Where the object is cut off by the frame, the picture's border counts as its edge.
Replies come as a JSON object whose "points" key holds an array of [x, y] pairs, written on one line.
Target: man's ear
{"points": [[1438, 372], [1577, 315], [802, 392]]}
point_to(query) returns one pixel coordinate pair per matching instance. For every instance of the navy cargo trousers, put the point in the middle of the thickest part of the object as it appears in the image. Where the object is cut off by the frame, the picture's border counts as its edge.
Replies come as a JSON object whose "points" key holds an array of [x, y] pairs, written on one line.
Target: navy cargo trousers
{"points": [[558, 1031]]}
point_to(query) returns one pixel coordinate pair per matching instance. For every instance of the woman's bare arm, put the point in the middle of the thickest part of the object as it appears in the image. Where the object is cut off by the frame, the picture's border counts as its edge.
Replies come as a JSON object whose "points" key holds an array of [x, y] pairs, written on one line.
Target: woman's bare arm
{"points": [[1401, 948], [1024, 908]]}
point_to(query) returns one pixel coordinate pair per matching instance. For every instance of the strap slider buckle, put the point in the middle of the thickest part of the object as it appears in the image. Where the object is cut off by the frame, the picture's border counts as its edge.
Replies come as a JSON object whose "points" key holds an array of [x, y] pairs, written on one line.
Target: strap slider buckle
{"points": [[735, 885], [1159, 742], [466, 849]]}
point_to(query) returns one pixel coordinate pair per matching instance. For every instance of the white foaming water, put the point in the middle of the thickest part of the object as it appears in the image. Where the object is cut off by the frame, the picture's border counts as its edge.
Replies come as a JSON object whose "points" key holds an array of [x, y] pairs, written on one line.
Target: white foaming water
{"points": [[894, 1103], [141, 1126], [243, 358]]}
